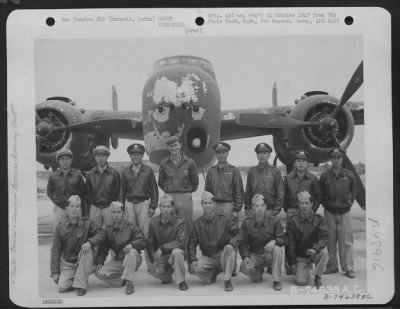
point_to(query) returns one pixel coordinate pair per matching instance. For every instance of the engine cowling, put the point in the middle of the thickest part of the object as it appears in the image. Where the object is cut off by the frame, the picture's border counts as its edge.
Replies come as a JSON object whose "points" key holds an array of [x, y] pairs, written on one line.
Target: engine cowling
{"points": [[59, 112], [317, 140]]}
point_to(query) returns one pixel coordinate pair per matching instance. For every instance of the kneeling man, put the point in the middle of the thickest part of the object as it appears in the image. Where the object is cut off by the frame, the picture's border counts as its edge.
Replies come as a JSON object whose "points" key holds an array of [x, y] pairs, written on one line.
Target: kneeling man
{"points": [[260, 239], [213, 232], [72, 250], [125, 241], [166, 244], [307, 240]]}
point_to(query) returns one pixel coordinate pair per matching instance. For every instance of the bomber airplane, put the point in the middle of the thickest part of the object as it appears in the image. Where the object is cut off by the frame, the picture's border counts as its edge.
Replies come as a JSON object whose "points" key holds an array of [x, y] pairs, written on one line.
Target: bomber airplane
{"points": [[181, 97]]}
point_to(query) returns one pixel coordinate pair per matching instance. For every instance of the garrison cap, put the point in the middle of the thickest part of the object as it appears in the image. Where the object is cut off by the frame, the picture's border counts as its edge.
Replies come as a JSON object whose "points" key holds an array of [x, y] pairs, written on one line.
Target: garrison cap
{"points": [[101, 150], [263, 147], [302, 154], [336, 152], [64, 152], [172, 139], [165, 199], [257, 198], [221, 146], [301, 196], [138, 148], [117, 205], [207, 195], [74, 199]]}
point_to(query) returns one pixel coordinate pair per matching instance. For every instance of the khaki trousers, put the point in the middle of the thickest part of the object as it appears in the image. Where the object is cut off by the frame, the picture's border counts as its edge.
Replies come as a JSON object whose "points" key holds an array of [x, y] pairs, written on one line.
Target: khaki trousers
{"points": [[304, 266], [340, 234], [58, 215], [208, 266], [255, 269], [101, 216], [138, 214], [117, 270], [166, 265], [184, 209], [76, 275]]}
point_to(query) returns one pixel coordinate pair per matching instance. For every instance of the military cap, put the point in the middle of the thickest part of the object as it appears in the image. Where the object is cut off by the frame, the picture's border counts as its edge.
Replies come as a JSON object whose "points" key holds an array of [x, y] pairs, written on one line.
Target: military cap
{"points": [[301, 196], [207, 195], [117, 205], [165, 199], [302, 154], [172, 139], [336, 152], [221, 146], [74, 199], [64, 152], [257, 198], [101, 150], [138, 148], [263, 147]]}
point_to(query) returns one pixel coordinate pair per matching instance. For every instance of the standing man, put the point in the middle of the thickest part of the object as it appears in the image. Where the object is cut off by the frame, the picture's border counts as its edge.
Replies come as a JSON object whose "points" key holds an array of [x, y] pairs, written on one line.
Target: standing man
{"points": [[260, 240], [212, 232], [307, 240], [63, 183], [72, 250], [178, 177], [265, 180], [225, 183], [166, 244], [102, 187], [338, 193], [125, 240], [298, 180]]}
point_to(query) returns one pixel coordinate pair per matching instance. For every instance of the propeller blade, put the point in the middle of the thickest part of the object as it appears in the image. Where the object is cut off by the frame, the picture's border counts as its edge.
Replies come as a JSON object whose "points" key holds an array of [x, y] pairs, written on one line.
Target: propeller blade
{"points": [[272, 121], [360, 194], [353, 85]]}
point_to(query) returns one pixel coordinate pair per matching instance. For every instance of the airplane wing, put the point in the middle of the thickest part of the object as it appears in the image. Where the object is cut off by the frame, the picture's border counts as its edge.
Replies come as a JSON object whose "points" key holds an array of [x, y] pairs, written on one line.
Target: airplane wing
{"points": [[357, 110]]}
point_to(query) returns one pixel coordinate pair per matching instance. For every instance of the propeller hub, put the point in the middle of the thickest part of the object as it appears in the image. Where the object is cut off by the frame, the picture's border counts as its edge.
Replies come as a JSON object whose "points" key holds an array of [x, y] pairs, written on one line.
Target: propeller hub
{"points": [[43, 129], [328, 124]]}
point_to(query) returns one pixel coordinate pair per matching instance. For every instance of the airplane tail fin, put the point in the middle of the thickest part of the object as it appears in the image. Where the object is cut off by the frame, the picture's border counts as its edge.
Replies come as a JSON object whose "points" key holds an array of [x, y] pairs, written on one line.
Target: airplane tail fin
{"points": [[114, 140], [274, 96]]}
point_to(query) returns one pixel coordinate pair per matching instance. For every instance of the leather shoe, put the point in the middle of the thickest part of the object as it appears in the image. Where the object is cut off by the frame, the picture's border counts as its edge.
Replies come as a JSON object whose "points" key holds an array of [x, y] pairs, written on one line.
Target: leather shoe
{"points": [[277, 285], [317, 282], [228, 286], [350, 274], [183, 286], [331, 271], [130, 289], [80, 292]]}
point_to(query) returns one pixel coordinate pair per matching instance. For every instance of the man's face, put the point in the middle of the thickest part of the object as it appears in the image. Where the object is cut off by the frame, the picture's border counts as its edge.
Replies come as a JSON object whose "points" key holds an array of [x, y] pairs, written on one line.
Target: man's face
{"points": [[136, 157], [74, 210], [263, 156], [304, 206], [65, 162], [337, 161], [222, 156], [175, 148], [117, 214], [208, 206], [166, 209], [259, 208], [101, 159], [301, 164]]}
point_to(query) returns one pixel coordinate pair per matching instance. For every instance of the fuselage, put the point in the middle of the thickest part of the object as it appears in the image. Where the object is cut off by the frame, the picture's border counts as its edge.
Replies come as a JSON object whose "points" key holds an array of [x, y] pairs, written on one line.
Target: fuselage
{"points": [[181, 97]]}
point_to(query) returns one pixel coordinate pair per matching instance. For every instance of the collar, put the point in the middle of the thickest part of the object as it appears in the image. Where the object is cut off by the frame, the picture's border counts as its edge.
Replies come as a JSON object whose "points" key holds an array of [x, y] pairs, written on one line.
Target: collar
{"points": [[293, 174], [68, 221], [309, 219], [263, 222], [212, 219], [98, 170], [61, 172], [340, 174], [138, 167], [223, 165], [263, 165], [119, 227], [171, 220], [183, 157]]}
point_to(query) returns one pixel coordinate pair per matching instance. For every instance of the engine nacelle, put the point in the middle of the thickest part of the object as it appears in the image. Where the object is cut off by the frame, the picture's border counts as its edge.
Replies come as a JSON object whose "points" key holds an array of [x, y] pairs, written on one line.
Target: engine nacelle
{"points": [[314, 139], [55, 113]]}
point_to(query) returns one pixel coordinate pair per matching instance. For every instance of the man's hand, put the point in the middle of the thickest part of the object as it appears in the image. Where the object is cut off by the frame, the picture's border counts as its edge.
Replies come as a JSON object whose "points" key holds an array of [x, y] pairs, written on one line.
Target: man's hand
{"points": [[229, 248], [151, 212], [270, 246], [311, 252], [127, 248], [247, 263], [157, 254], [192, 267], [248, 212], [235, 214], [86, 247], [55, 277]]}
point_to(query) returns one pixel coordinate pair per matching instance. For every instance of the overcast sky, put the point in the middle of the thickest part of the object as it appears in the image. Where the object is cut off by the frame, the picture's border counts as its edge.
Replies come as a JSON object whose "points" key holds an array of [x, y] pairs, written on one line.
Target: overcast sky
{"points": [[246, 69]]}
